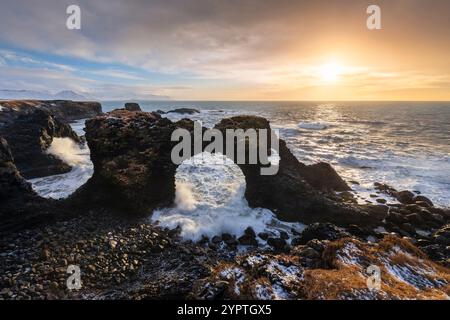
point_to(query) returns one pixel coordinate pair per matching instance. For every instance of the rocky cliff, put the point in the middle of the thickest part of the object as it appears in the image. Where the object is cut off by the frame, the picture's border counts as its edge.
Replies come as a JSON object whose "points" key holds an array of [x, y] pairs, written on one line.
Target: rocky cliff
{"points": [[62, 109], [30, 135]]}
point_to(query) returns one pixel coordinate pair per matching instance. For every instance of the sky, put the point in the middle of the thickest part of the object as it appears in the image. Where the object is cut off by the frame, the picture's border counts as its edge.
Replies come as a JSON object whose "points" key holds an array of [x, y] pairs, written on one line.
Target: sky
{"points": [[228, 50]]}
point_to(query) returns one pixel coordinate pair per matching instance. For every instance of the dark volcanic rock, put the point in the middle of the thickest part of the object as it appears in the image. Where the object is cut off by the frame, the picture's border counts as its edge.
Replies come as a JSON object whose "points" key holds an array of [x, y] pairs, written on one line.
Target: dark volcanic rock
{"points": [[11, 182], [61, 109], [294, 193], [248, 238], [405, 197], [322, 176], [277, 244], [184, 111], [423, 199], [442, 236], [131, 153], [321, 231], [132, 106], [20, 207], [29, 136]]}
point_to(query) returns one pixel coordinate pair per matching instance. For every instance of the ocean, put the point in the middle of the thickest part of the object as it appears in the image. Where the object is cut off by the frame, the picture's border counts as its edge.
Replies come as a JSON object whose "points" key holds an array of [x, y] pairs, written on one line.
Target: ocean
{"points": [[403, 144]]}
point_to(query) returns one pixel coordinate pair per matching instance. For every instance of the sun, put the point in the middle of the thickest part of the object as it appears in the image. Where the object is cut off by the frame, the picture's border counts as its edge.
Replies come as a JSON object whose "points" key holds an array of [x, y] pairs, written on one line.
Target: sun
{"points": [[330, 72]]}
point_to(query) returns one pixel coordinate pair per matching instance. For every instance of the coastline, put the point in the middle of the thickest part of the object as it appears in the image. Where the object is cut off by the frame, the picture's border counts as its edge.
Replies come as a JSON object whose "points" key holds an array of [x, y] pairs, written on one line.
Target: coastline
{"points": [[127, 256]]}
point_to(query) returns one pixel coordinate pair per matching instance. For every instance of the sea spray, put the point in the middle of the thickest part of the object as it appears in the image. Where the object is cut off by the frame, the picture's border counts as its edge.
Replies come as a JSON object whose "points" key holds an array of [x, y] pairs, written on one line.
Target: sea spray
{"points": [[67, 150], [210, 201], [63, 185]]}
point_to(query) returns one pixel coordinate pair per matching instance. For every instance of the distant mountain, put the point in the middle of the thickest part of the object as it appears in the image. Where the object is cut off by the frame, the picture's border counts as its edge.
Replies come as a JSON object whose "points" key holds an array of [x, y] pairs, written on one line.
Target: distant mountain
{"points": [[40, 95], [69, 95]]}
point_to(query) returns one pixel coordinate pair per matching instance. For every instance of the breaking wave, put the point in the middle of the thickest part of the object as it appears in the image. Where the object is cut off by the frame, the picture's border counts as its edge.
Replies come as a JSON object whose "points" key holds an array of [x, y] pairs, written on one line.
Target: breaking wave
{"points": [[210, 201]]}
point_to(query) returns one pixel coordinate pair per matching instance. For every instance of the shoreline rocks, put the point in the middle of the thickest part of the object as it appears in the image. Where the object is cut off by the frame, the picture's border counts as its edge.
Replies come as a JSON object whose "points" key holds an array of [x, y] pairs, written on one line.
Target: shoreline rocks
{"points": [[131, 153], [132, 106], [29, 136], [189, 111], [123, 256], [63, 110]]}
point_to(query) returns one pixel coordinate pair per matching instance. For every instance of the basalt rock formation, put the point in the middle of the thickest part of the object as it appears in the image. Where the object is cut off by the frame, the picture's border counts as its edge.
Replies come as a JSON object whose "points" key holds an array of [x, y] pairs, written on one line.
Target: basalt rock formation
{"points": [[133, 170], [20, 205], [30, 135], [130, 152], [61, 109], [131, 106], [11, 182], [180, 111]]}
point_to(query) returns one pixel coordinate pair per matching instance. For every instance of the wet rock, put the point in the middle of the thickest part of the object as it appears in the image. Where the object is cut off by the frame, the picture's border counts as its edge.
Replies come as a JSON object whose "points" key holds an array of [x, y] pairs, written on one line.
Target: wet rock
{"points": [[29, 136], [296, 241], [204, 240], [408, 228], [226, 237], [322, 176], [442, 236], [420, 200], [250, 232], [438, 218], [377, 213], [249, 238], [425, 214], [284, 235], [216, 239], [231, 243], [405, 197], [263, 235], [184, 111], [357, 231], [277, 244], [347, 196], [322, 231], [396, 218], [423, 243]]}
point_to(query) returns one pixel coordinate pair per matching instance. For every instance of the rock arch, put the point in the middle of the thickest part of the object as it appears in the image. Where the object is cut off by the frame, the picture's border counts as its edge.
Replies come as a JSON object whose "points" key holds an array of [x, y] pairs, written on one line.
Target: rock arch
{"points": [[133, 171]]}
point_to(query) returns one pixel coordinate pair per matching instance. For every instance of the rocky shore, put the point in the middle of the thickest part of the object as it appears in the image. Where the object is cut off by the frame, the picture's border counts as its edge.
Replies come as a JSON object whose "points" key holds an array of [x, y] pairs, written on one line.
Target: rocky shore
{"points": [[104, 227]]}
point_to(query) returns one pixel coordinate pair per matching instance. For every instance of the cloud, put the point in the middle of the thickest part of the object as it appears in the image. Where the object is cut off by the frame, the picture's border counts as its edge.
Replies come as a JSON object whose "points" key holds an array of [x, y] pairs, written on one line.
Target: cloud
{"points": [[7, 55], [259, 44], [116, 74]]}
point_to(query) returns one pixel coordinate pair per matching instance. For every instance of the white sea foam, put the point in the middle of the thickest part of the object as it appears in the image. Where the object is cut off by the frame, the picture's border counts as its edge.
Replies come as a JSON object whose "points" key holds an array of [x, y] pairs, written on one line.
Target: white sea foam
{"points": [[313, 125], [62, 185], [68, 151], [210, 201]]}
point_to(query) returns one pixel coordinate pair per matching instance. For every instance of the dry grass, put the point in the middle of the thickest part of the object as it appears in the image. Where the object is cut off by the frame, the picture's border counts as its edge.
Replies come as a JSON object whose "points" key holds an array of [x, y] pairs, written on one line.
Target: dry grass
{"points": [[406, 273]]}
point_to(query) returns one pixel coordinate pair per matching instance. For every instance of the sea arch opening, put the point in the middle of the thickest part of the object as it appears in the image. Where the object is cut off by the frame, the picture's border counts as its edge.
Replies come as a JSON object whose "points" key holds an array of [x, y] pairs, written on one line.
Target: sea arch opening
{"points": [[210, 200]]}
